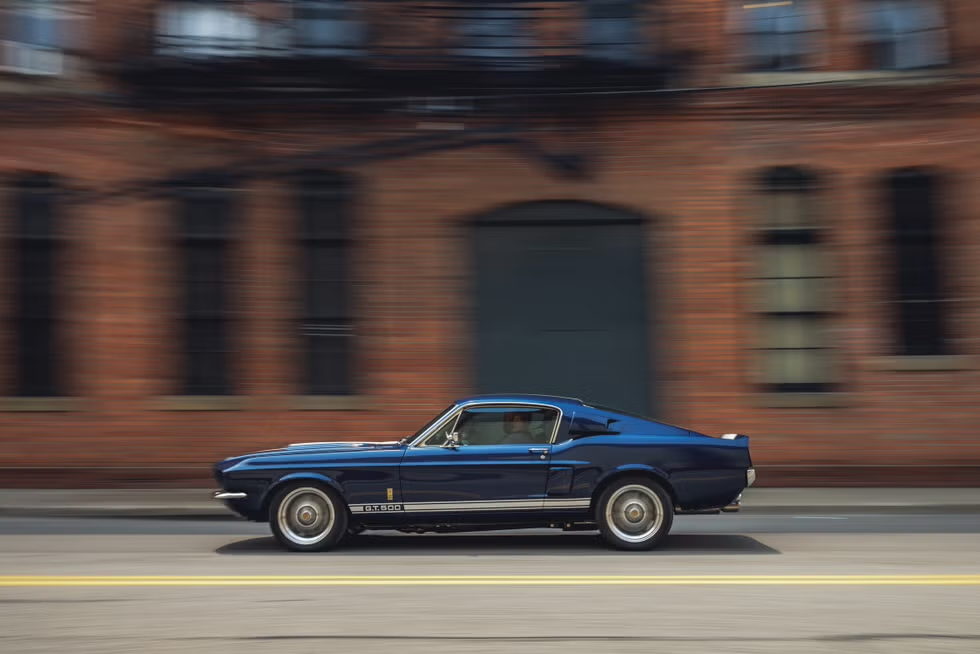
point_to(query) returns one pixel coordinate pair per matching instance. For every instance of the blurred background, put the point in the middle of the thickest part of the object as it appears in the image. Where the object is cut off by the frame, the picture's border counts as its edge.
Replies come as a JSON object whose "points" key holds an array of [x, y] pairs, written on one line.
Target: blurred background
{"points": [[229, 225]]}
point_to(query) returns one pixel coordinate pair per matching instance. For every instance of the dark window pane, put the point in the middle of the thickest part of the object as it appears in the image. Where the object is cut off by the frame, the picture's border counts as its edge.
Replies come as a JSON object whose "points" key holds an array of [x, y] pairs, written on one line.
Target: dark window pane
{"points": [[917, 286], [36, 278], [324, 214], [611, 30], [327, 281], [206, 214], [779, 36], [206, 357], [328, 27], [36, 357], [328, 357], [206, 224], [326, 326], [35, 321], [35, 213], [903, 35], [206, 279]]}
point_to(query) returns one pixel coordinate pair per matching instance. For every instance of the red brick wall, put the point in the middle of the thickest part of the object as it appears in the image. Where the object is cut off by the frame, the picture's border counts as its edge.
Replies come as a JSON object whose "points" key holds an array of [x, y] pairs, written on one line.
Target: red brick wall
{"points": [[687, 169]]}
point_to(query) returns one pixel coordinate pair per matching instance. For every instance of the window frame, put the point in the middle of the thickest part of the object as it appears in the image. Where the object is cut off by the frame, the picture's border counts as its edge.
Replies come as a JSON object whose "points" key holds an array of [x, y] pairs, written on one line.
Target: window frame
{"points": [[899, 236], [422, 442], [767, 236], [25, 237], [335, 235], [861, 18], [46, 59], [812, 42], [186, 242]]}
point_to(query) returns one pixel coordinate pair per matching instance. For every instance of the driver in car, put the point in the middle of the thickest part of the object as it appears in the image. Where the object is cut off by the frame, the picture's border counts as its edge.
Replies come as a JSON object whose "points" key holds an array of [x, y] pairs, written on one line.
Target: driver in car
{"points": [[517, 427]]}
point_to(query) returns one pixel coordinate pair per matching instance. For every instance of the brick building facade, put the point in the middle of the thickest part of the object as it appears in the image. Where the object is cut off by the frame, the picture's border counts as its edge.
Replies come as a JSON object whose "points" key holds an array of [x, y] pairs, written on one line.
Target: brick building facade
{"points": [[737, 216]]}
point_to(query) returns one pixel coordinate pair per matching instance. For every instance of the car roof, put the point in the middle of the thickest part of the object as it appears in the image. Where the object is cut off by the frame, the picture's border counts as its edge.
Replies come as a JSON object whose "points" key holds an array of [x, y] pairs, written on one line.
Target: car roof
{"points": [[563, 402]]}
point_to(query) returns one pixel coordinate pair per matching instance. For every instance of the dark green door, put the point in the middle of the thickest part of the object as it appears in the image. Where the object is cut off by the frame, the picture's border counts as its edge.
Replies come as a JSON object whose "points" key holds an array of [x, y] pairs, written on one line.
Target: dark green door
{"points": [[561, 304]]}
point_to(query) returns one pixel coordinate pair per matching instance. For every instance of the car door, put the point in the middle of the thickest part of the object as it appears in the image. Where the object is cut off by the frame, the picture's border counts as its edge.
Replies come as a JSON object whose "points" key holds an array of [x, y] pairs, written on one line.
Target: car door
{"points": [[498, 465]]}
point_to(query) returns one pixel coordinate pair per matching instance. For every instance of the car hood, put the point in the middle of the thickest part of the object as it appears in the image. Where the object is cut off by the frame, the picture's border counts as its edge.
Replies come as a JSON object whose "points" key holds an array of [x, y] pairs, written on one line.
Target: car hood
{"points": [[325, 447]]}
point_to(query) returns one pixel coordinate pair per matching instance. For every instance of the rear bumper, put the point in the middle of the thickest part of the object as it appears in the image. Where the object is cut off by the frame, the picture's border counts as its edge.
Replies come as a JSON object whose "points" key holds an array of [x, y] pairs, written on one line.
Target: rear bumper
{"points": [[736, 504]]}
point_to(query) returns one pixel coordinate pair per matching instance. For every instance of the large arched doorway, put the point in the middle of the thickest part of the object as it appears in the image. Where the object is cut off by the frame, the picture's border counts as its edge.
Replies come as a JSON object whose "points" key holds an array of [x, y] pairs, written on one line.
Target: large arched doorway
{"points": [[561, 303]]}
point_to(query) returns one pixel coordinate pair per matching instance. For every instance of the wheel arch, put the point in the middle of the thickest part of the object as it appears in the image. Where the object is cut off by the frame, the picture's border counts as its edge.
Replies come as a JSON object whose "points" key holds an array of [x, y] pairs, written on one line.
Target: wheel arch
{"points": [[300, 477], [641, 471]]}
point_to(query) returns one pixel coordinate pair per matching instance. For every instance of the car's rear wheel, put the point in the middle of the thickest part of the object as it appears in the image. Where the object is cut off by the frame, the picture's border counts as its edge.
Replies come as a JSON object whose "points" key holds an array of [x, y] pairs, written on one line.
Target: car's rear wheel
{"points": [[308, 518], [634, 514]]}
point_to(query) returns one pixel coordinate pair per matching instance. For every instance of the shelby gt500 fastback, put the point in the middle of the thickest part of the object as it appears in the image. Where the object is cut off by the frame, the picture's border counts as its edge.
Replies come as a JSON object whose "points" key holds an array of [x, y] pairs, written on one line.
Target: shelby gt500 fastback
{"points": [[494, 462]]}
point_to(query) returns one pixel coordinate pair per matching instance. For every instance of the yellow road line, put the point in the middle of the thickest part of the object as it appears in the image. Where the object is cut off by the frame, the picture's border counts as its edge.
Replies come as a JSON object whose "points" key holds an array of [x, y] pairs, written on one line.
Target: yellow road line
{"points": [[22, 581]]}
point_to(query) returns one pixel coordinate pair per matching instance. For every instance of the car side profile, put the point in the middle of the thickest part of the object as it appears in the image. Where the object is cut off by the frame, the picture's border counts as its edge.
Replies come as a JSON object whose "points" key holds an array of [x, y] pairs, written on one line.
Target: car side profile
{"points": [[492, 463]]}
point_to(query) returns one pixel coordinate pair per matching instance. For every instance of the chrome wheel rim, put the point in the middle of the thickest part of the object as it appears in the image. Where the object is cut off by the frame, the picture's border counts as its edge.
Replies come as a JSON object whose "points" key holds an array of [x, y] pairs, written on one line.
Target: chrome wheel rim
{"points": [[306, 516], [634, 513]]}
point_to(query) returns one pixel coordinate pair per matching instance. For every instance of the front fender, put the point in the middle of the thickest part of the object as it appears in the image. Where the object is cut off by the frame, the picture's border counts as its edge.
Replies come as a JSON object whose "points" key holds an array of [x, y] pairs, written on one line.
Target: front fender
{"points": [[299, 476]]}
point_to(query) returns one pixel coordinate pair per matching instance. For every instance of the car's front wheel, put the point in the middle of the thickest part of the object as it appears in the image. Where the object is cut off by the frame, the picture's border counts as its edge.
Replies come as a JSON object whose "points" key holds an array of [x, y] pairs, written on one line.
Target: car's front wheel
{"points": [[634, 514], [308, 518]]}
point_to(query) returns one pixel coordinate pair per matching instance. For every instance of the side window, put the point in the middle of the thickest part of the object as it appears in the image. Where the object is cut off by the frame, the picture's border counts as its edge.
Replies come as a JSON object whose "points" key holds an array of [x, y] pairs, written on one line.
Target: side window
{"points": [[500, 425], [586, 424]]}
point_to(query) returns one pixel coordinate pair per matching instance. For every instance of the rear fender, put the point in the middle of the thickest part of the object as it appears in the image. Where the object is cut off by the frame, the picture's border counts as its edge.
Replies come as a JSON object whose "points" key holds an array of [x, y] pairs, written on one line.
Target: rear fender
{"points": [[637, 469]]}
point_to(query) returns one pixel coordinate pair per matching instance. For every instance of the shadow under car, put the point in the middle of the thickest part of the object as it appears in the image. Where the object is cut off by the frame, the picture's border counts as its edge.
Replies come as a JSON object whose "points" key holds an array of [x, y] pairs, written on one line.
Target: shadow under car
{"points": [[503, 544]]}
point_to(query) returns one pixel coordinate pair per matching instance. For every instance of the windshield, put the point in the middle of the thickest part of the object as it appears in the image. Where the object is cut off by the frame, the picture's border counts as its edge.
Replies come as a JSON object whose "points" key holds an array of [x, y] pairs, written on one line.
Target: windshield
{"points": [[436, 418]]}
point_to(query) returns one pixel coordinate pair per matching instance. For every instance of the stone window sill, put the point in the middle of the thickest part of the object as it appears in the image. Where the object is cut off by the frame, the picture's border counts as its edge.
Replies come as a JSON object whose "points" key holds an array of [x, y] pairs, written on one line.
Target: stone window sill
{"points": [[865, 77], [41, 404], [802, 400], [327, 403], [260, 402], [923, 363], [199, 403]]}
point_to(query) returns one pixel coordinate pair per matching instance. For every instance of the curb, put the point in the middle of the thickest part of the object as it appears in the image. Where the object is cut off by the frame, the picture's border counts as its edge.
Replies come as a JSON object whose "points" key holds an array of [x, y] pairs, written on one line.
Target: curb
{"points": [[889, 509], [159, 513]]}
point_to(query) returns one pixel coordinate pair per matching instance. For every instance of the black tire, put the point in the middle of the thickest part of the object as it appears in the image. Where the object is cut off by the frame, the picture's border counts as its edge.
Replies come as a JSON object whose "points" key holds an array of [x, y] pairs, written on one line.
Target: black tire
{"points": [[325, 512], [651, 513]]}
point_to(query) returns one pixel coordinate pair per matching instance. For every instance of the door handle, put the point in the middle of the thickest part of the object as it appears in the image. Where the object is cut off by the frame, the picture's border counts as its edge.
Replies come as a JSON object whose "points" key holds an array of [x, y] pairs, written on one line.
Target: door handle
{"points": [[543, 451]]}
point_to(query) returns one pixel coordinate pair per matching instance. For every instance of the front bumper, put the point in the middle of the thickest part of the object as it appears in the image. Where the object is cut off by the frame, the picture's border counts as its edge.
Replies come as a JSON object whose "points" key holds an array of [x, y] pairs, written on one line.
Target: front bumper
{"points": [[226, 495]]}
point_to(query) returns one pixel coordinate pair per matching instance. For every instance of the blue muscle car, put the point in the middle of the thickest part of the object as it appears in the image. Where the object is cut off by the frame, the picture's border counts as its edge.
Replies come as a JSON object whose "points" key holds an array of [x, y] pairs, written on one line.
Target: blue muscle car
{"points": [[495, 462]]}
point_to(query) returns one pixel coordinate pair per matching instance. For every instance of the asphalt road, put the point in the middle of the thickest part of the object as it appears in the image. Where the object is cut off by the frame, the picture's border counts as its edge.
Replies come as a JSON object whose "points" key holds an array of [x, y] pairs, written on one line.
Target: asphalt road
{"points": [[738, 583]]}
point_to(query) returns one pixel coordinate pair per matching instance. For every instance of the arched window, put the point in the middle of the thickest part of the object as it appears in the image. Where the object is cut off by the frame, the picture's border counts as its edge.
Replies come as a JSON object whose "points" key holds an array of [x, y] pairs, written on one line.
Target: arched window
{"points": [[326, 324], [914, 230], [37, 307], [793, 282], [900, 34], [777, 36]]}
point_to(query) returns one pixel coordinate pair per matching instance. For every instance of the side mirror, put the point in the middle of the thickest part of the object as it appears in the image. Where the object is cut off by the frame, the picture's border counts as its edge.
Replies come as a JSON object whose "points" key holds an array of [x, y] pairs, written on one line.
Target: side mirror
{"points": [[452, 441]]}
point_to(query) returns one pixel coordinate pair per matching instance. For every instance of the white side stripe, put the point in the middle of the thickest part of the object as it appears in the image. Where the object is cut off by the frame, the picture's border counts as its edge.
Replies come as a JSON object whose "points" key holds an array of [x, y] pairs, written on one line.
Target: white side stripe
{"points": [[473, 505]]}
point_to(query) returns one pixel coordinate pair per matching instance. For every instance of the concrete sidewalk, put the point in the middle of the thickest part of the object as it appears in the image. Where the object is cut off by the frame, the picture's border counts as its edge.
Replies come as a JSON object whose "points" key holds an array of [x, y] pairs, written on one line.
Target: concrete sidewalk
{"points": [[188, 503]]}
